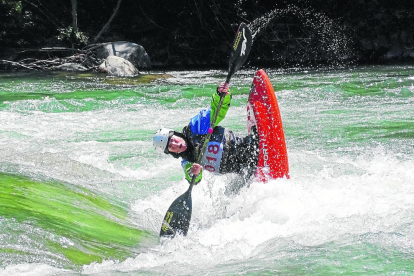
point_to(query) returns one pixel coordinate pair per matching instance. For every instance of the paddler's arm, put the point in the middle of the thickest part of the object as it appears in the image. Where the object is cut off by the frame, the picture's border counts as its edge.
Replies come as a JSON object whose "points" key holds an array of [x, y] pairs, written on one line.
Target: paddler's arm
{"points": [[190, 169], [223, 88]]}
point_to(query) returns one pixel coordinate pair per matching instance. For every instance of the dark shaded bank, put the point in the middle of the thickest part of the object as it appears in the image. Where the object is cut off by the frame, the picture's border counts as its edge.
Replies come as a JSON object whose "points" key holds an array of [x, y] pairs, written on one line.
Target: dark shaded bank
{"points": [[197, 33]]}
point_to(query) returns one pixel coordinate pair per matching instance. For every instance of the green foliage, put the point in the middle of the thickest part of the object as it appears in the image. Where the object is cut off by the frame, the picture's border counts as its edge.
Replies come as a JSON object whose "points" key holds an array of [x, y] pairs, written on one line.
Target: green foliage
{"points": [[15, 6], [67, 34]]}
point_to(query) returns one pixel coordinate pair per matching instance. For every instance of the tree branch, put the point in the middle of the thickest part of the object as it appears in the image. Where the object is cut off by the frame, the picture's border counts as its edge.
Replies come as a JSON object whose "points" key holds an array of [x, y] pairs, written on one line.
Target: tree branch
{"points": [[108, 23], [74, 16]]}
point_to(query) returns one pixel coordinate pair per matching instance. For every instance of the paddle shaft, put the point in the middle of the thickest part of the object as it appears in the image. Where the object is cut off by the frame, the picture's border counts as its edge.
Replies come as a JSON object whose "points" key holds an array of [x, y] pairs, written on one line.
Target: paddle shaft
{"points": [[208, 135], [233, 67]]}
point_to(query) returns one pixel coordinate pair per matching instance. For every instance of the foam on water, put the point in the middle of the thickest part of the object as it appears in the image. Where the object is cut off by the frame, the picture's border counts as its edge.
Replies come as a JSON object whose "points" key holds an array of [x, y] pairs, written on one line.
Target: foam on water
{"points": [[350, 146], [332, 200], [79, 147], [33, 270]]}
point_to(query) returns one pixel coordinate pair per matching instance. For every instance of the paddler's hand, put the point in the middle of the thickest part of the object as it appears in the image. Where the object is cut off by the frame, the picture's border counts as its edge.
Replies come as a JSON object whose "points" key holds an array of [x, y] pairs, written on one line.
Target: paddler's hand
{"points": [[223, 89], [196, 168]]}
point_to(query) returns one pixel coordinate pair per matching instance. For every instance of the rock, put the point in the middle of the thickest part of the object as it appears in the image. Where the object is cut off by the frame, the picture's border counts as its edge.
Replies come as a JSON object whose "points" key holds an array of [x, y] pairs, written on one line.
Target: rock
{"points": [[118, 66], [70, 67], [132, 52]]}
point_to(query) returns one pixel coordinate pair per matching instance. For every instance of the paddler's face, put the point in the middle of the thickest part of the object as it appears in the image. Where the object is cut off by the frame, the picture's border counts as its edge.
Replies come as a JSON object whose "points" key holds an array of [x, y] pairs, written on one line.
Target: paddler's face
{"points": [[177, 144]]}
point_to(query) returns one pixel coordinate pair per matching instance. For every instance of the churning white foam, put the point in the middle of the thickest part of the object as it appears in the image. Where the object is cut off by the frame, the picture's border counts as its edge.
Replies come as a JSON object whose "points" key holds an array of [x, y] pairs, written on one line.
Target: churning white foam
{"points": [[333, 198]]}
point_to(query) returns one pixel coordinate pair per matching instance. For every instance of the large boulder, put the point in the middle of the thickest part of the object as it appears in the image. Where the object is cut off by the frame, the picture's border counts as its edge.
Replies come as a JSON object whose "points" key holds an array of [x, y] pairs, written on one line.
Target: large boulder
{"points": [[118, 66], [132, 52]]}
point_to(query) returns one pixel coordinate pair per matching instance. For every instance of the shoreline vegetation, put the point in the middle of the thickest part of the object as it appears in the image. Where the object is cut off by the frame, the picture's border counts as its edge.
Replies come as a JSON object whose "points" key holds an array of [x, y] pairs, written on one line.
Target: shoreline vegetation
{"points": [[46, 35]]}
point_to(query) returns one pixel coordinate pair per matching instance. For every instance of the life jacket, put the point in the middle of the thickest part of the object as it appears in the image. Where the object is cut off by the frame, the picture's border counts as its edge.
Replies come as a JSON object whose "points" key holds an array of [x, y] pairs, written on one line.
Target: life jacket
{"points": [[225, 153], [217, 150]]}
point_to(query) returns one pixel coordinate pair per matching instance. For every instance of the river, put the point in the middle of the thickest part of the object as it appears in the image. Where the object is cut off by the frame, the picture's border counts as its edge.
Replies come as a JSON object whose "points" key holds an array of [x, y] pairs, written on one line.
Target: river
{"points": [[83, 190]]}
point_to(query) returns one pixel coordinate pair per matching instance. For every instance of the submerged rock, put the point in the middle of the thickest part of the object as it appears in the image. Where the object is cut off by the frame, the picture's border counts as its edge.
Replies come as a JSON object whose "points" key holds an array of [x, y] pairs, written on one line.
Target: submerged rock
{"points": [[132, 52], [118, 66]]}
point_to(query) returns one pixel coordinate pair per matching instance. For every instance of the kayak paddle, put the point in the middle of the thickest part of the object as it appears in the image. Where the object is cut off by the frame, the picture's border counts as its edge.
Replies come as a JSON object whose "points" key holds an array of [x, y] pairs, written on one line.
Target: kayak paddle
{"points": [[177, 219]]}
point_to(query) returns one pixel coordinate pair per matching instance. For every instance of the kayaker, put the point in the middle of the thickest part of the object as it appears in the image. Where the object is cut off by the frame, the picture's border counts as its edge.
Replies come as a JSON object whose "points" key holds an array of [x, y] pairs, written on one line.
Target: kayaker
{"points": [[225, 152]]}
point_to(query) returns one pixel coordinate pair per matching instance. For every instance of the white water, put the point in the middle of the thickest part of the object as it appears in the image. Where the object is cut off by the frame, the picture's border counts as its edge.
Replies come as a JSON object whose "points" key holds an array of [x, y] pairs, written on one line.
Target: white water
{"points": [[332, 197], [316, 206]]}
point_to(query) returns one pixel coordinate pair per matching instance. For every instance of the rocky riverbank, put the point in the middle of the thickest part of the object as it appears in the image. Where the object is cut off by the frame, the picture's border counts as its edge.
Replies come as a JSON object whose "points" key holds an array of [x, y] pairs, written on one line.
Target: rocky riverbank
{"points": [[191, 34]]}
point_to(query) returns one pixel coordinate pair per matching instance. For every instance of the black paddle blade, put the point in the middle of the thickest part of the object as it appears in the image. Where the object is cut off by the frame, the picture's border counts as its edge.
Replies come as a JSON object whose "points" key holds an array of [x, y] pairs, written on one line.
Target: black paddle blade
{"points": [[240, 49], [177, 219]]}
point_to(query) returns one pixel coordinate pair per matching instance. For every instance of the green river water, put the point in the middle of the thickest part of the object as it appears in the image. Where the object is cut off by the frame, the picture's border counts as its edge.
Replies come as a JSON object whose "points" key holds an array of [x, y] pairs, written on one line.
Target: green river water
{"points": [[83, 191]]}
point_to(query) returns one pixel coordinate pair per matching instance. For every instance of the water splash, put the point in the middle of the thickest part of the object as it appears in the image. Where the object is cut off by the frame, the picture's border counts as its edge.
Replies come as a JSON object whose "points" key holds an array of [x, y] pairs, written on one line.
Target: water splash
{"points": [[317, 33]]}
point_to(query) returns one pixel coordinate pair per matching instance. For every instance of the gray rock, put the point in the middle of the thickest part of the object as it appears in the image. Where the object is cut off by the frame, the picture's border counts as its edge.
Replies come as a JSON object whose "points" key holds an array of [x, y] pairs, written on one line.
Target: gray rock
{"points": [[117, 66], [132, 52], [70, 67]]}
